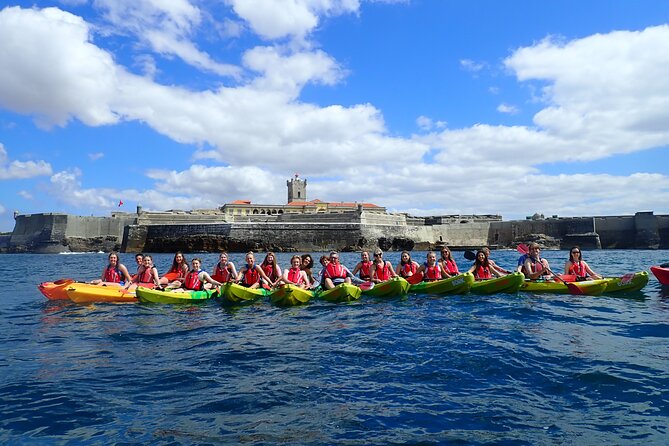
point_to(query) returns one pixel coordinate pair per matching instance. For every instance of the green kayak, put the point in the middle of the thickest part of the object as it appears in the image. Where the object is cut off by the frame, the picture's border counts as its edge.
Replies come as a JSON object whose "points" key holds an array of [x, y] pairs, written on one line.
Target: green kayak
{"points": [[459, 284], [505, 284], [628, 283], [344, 292], [586, 287], [290, 295], [235, 294], [396, 286], [172, 297]]}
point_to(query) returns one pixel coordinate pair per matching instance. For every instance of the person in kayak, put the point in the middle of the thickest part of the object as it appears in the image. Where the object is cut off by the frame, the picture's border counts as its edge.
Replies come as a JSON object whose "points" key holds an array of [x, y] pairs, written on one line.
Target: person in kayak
{"points": [[197, 279], [482, 268], [430, 269], [250, 275], [177, 271], [307, 266], [578, 267], [406, 267], [335, 273], [448, 266], [295, 275], [324, 261], [147, 275], [535, 267], [115, 273], [486, 250], [363, 267], [381, 269], [271, 269], [139, 260], [224, 270]]}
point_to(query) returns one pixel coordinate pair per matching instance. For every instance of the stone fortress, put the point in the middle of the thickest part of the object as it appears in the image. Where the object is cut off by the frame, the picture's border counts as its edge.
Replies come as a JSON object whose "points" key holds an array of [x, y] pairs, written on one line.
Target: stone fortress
{"points": [[315, 225]]}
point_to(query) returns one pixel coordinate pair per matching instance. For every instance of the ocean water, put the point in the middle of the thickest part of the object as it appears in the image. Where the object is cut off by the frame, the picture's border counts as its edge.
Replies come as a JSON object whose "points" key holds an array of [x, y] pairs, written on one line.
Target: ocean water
{"points": [[501, 369]]}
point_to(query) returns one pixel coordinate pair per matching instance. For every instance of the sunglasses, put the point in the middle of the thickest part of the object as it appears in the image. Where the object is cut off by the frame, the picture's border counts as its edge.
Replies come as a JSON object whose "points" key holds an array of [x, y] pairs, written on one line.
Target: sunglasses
{"points": [[576, 252]]}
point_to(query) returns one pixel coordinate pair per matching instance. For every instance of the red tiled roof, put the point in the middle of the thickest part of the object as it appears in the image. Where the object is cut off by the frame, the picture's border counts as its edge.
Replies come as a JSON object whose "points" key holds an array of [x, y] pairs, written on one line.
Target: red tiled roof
{"points": [[241, 202]]}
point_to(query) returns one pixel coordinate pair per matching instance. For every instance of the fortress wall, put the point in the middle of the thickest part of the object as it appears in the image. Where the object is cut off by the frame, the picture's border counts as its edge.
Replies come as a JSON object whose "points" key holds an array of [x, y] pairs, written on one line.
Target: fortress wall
{"points": [[42, 233], [383, 219], [462, 234], [508, 233], [246, 236], [96, 226], [663, 230], [616, 231]]}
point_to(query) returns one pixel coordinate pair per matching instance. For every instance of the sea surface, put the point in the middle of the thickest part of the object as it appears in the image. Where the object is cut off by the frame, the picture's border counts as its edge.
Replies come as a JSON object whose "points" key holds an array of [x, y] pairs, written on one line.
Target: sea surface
{"points": [[502, 369]]}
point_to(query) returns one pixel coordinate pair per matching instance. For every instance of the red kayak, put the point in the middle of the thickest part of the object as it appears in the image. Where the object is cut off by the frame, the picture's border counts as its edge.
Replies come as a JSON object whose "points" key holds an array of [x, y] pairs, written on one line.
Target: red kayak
{"points": [[661, 273]]}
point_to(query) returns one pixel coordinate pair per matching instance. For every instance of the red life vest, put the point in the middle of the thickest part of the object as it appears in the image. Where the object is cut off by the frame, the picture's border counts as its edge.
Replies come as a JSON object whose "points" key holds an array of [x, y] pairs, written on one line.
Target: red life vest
{"points": [[364, 270], [112, 274], [251, 275], [270, 270], [335, 271], [432, 272], [450, 266], [295, 276], [221, 274], [382, 273], [578, 269], [192, 281], [408, 268], [146, 276], [536, 265], [482, 273]]}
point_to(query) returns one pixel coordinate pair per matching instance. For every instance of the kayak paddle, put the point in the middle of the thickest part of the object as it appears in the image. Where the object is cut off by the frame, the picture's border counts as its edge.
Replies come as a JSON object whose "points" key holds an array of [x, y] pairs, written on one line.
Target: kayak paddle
{"points": [[470, 255]]}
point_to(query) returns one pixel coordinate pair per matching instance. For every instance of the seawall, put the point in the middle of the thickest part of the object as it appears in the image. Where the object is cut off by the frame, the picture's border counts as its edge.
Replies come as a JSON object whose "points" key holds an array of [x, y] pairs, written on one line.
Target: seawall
{"points": [[346, 231]]}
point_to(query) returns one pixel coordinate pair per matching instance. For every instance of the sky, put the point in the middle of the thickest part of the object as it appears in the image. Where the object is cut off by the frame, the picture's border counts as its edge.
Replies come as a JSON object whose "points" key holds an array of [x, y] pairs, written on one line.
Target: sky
{"points": [[429, 107]]}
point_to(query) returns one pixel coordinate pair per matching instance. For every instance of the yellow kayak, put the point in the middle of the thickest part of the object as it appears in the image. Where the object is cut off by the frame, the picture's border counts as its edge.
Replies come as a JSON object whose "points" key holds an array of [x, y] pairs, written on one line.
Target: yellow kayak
{"points": [[586, 287], [396, 286], [172, 297], [82, 293], [344, 292], [235, 294], [290, 295]]}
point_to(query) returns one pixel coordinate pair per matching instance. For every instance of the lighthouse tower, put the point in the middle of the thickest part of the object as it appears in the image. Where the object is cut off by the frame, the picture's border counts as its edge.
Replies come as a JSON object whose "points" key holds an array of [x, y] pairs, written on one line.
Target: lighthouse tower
{"points": [[297, 189]]}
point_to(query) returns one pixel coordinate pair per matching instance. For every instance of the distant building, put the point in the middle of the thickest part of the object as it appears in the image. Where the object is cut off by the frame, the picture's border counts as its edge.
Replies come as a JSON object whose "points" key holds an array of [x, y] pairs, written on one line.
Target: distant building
{"points": [[297, 204]]}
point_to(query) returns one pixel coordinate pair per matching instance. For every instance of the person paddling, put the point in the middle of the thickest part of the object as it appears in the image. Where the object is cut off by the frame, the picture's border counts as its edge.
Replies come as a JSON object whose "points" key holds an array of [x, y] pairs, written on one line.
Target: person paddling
{"points": [[115, 273], [363, 267], [483, 269], [225, 270], [335, 273], [381, 269], [406, 267], [578, 267], [295, 275], [448, 266], [250, 275], [271, 269], [430, 269], [535, 267]]}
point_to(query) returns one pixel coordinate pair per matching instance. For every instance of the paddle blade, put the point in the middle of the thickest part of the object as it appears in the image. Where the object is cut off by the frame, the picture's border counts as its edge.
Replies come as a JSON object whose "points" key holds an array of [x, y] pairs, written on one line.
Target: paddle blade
{"points": [[523, 248], [574, 288], [365, 286], [415, 278], [470, 255]]}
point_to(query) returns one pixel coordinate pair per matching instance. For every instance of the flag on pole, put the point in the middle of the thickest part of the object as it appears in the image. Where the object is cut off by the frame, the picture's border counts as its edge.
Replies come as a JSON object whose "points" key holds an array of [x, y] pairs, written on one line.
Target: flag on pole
{"points": [[120, 203]]}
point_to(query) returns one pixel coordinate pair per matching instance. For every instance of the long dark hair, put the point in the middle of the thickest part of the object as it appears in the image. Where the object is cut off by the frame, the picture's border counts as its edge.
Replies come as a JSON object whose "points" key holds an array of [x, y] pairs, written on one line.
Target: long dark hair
{"points": [[175, 265], [485, 262], [580, 254]]}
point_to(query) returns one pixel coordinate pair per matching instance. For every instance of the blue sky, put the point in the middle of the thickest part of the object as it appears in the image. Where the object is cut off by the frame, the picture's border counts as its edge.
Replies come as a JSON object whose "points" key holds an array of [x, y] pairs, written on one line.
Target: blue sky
{"points": [[426, 107]]}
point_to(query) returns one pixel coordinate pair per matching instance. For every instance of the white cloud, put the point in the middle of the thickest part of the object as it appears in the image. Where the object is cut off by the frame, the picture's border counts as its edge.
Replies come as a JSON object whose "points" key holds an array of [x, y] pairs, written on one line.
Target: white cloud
{"points": [[472, 66], [425, 123], [2, 209], [95, 156], [506, 108], [21, 169], [167, 27], [289, 18], [55, 73], [25, 194]]}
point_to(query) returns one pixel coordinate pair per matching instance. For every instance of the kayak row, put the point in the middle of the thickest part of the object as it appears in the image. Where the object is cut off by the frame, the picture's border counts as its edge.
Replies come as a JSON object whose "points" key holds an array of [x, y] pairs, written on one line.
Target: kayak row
{"points": [[290, 295]]}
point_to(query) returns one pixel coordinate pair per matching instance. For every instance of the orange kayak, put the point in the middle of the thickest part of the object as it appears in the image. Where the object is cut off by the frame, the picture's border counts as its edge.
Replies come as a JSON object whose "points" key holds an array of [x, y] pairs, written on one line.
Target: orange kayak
{"points": [[56, 290]]}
